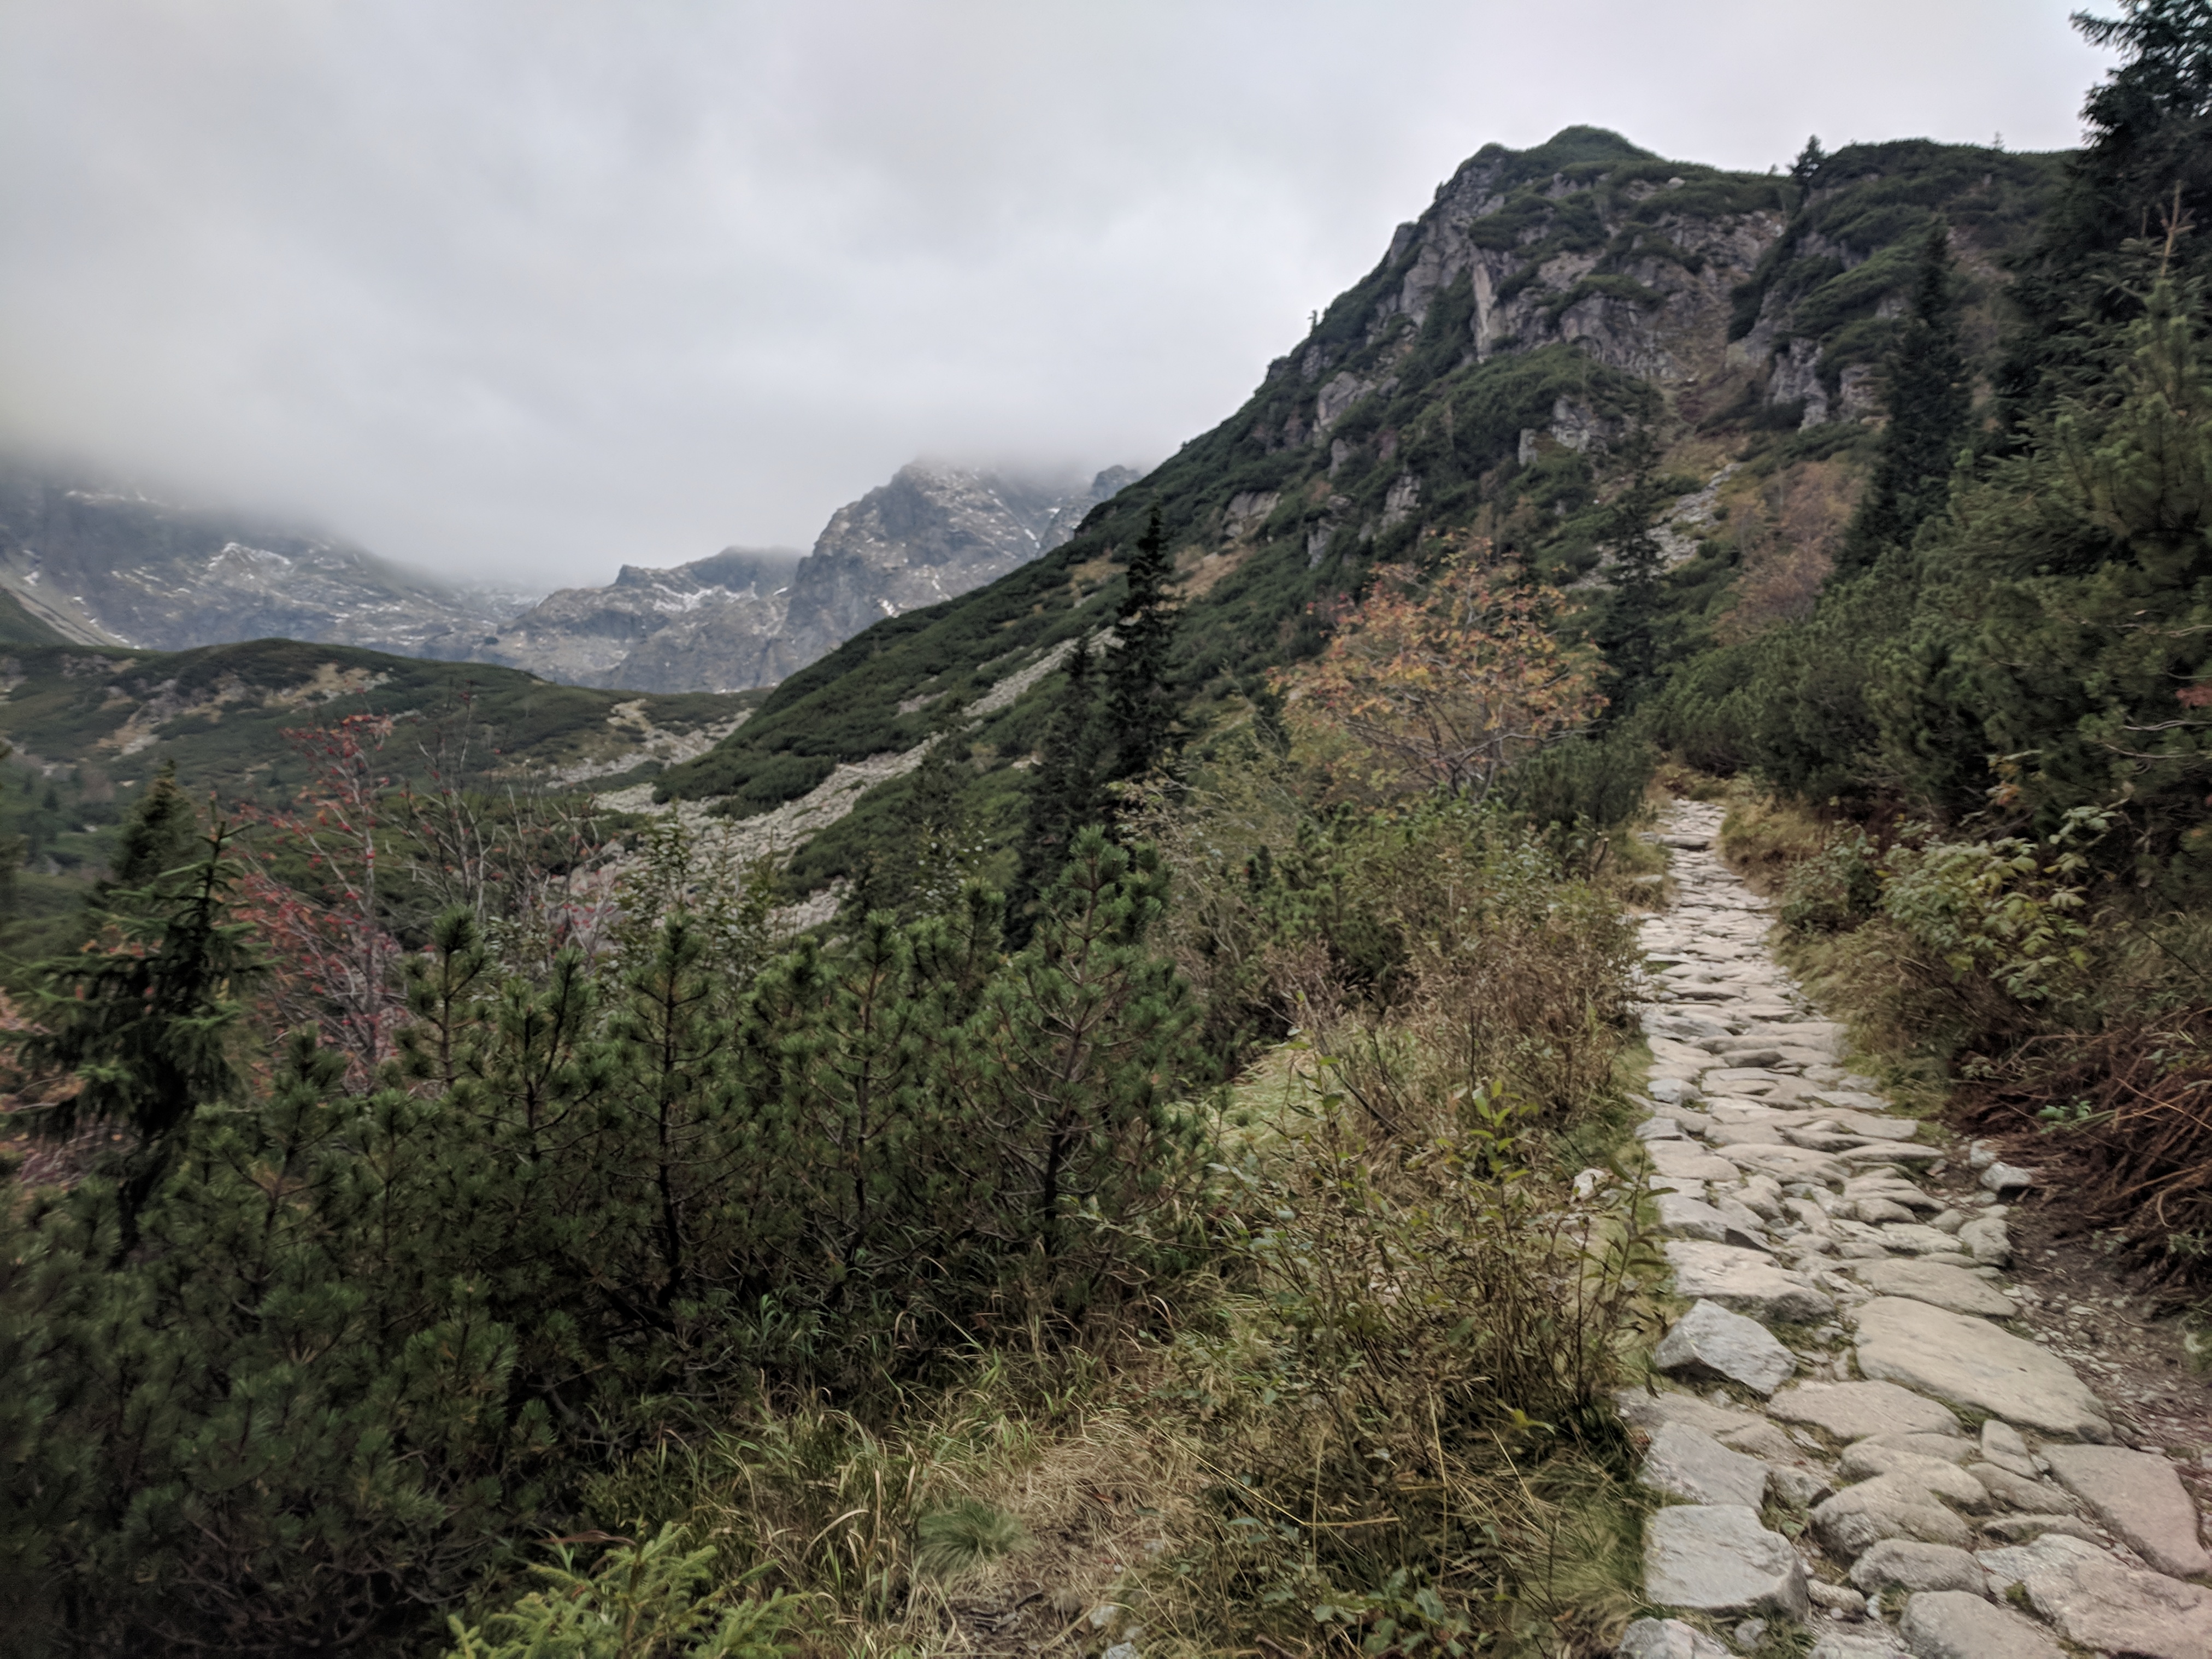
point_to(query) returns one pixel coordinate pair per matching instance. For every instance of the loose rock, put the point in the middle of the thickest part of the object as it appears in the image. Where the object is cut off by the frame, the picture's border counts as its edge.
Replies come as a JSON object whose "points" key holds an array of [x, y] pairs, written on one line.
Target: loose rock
{"points": [[1858, 1517], [1668, 1638], [1709, 1340], [2097, 1603], [1743, 1282], [1852, 1411], [1721, 1560], [1954, 1289]]}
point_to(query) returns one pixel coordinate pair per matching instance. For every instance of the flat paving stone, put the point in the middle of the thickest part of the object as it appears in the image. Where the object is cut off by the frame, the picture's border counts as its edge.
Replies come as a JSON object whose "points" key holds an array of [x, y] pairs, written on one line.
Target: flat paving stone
{"points": [[1954, 1289], [1958, 1624], [1906, 1564], [1747, 1282], [1789, 1163], [1970, 1362], [1690, 1464], [2140, 1498], [1682, 1216], [1685, 1160], [1651, 1410], [1859, 1517], [1711, 1341], [1668, 1638], [1852, 1411], [1721, 1560], [2097, 1603]]}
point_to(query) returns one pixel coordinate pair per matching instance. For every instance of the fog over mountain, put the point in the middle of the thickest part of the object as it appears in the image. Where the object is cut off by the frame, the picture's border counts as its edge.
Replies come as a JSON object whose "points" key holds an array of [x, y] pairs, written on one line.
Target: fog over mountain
{"points": [[522, 293]]}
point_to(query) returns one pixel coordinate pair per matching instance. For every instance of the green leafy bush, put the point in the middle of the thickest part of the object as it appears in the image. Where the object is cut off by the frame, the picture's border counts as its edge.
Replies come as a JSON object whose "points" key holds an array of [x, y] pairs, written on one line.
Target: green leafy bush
{"points": [[642, 1601]]}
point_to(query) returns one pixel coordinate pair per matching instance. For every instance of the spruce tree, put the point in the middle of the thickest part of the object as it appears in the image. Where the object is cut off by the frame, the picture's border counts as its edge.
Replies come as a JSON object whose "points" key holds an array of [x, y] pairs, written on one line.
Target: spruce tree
{"points": [[159, 836], [2145, 172], [1065, 795], [1930, 400], [146, 1021], [1140, 708], [1628, 628]]}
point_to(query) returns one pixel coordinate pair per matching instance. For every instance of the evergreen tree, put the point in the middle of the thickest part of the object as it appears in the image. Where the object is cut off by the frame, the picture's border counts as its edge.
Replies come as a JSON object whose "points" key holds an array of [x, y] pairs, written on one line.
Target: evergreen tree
{"points": [[920, 873], [1930, 400], [159, 836], [1065, 794], [2145, 173], [1627, 632], [1806, 168], [146, 1021], [1141, 708]]}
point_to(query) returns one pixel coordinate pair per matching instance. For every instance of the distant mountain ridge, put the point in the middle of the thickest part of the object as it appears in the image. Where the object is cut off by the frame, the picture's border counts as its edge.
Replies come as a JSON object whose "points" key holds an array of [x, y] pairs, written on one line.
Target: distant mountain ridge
{"points": [[86, 561], [101, 564], [748, 617]]}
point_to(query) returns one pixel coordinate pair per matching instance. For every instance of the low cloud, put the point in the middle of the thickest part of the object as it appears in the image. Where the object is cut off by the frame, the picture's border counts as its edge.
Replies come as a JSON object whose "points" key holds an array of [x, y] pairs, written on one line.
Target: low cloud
{"points": [[520, 291]]}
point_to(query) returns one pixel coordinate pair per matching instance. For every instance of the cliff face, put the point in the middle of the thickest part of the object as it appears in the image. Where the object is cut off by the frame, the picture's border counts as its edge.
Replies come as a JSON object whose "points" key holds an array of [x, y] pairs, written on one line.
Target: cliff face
{"points": [[102, 565], [748, 617]]}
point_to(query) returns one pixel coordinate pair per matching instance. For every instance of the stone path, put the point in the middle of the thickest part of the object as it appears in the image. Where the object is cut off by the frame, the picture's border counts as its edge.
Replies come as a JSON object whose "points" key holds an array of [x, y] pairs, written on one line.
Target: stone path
{"points": [[1853, 1427]]}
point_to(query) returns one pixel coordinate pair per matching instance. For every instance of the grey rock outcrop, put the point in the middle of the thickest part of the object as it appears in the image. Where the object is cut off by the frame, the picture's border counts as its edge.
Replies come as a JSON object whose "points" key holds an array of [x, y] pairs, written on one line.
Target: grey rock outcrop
{"points": [[748, 617], [1689, 1464]]}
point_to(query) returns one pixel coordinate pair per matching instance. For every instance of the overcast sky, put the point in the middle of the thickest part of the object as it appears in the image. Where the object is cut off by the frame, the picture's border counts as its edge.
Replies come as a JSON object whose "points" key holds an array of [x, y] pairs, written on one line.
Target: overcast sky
{"points": [[524, 291]]}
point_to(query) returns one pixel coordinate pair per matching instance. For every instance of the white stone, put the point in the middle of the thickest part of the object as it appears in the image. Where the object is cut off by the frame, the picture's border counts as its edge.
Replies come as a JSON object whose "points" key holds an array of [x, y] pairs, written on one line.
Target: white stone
{"points": [[1906, 1564], [2140, 1499], [1952, 1288], [1686, 1160], [2005, 1177], [1937, 1475], [1711, 1341], [1986, 1239], [2097, 1603], [1888, 1506], [1668, 1638], [2002, 1446], [1651, 1410], [1852, 1411], [1971, 1363], [1721, 1560], [1682, 1216], [1956, 1625], [1744, 1281], [1789, 1163], [1687, 1463]]}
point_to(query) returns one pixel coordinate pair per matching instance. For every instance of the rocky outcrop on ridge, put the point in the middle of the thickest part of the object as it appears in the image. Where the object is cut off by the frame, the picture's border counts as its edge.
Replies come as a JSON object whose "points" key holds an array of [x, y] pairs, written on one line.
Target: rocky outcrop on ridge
{"points": [[1862, 1428], [748, 617]]}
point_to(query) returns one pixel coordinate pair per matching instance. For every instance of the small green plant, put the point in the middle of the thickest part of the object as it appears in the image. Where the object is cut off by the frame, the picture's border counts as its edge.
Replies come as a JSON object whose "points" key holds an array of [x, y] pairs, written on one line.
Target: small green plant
{"points": [[964, 1535], [1836, 889], [642, 1601], [2007, 910]]}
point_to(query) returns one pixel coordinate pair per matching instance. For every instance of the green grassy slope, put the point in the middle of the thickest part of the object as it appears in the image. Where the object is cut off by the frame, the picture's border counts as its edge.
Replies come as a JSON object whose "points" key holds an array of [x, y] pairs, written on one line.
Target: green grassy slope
{"points": [[89, 726]]}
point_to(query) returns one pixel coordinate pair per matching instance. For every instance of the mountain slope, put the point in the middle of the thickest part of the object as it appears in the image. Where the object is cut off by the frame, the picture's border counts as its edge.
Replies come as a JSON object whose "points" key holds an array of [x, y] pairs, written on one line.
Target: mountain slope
{"points": [[1481, 380], [748, 617], [105, 565]]}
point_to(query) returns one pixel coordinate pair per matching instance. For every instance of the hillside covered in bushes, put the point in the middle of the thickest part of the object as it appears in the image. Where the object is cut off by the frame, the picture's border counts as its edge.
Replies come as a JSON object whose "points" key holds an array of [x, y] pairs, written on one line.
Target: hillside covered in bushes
{"points": [[1169, 1191]]}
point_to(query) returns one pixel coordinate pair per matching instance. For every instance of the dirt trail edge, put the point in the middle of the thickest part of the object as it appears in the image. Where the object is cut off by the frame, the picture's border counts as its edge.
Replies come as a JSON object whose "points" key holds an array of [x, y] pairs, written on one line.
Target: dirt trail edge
{"points": [[1859, 1432]]}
